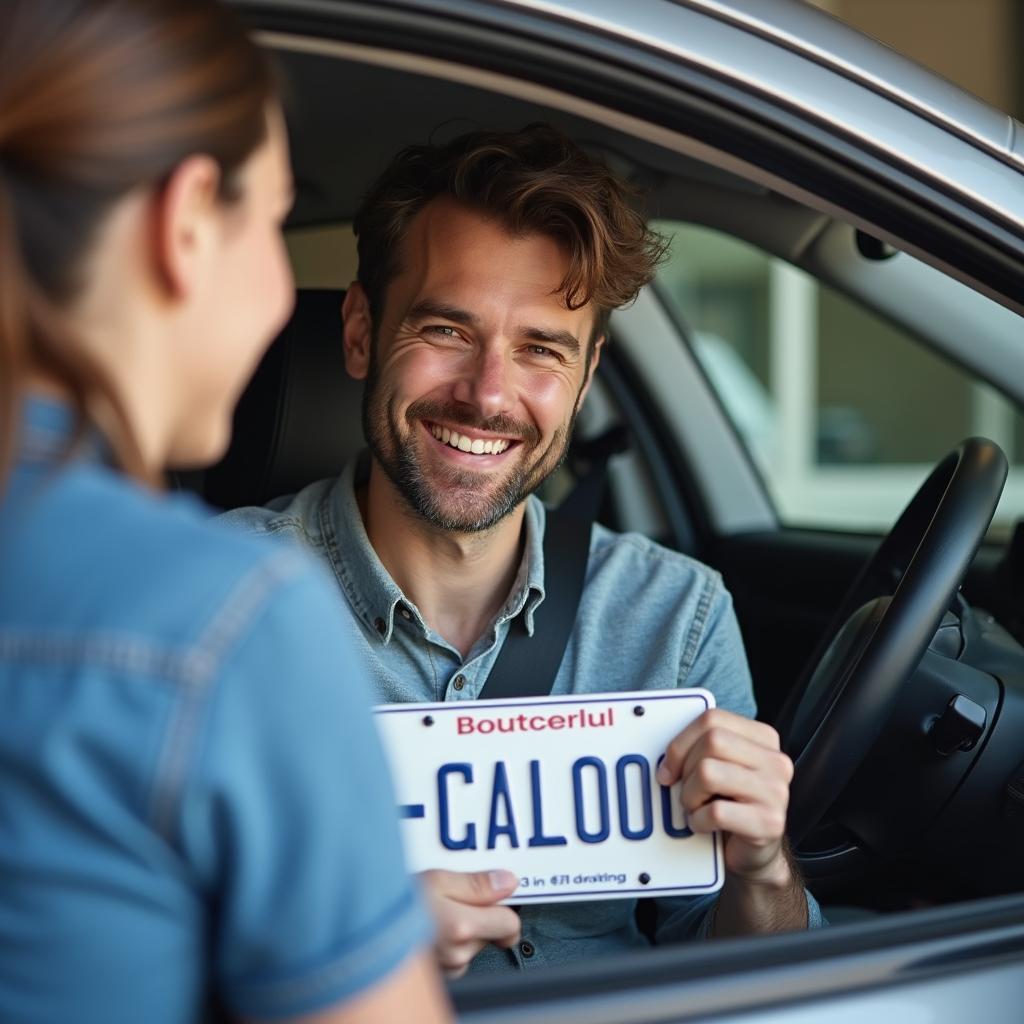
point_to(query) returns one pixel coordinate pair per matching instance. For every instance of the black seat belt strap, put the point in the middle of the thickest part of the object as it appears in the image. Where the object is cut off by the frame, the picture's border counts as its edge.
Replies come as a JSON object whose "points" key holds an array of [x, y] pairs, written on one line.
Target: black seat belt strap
{"points": [[527, 666]]}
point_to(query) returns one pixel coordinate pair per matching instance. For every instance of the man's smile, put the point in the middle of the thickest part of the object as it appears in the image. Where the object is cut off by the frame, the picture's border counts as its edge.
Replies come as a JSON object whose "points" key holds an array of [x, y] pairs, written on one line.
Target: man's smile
{"points": [[469, 441]]}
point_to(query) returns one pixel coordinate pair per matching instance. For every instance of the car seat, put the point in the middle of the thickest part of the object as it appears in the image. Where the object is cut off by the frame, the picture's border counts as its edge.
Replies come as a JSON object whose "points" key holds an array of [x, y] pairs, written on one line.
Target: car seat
{"points": [[300, 418]]}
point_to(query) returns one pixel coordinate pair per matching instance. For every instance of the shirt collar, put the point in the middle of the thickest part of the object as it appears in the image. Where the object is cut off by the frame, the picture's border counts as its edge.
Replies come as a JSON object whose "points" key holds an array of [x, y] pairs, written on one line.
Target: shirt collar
{"points": [[47, 428], [376, 597], [528, 590]]}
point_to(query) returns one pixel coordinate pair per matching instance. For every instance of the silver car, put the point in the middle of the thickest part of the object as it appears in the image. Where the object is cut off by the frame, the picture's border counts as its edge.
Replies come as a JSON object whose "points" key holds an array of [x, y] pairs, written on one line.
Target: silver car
{"points": [[838, 329]]}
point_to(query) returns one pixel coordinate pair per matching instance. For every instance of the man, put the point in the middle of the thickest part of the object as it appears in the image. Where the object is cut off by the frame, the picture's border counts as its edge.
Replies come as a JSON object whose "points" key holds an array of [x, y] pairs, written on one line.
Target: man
{"points": [[487, 271]]}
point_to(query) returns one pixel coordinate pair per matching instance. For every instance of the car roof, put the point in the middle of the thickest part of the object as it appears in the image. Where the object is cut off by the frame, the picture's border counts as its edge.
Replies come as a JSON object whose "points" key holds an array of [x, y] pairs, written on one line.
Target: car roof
{"points": [[817, 35]]}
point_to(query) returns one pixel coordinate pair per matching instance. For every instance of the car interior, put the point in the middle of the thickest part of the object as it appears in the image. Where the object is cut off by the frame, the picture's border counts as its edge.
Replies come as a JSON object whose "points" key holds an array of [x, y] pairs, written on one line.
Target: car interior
{"points": [[933, 806]]}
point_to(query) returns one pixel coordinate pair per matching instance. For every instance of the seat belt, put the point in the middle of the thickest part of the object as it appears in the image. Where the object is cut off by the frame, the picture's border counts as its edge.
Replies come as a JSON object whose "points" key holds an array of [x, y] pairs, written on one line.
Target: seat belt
{"points": [[527, 665]]}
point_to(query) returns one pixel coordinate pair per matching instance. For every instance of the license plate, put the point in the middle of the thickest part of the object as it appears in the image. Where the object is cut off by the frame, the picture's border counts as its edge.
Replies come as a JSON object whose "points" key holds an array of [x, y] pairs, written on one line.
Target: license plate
{"points": [[559, 790]]}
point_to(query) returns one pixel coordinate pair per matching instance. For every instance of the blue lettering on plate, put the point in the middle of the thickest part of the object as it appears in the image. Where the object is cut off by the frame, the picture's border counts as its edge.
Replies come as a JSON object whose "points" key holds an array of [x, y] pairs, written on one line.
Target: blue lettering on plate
{"points": [[468, 842], [500, 794], [645, 789], [538, 838], [672, 830], [602, 791]]}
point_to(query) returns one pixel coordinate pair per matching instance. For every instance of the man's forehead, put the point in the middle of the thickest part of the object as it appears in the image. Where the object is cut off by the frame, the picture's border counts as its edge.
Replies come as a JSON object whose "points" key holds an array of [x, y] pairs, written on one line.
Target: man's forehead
{"points": [[457, 255], [448, 234]]}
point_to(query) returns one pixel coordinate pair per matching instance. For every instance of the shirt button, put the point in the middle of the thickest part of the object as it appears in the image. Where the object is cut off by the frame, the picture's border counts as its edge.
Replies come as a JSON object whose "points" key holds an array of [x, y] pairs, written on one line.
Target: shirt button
{"points": [[527, 949], [380, 626], [405, 613], [459, 682]]}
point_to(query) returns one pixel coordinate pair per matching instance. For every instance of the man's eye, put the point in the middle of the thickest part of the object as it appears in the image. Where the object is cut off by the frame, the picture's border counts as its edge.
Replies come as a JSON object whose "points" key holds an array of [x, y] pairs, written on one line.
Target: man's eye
{"points": [[542, 351], [441, 329]]}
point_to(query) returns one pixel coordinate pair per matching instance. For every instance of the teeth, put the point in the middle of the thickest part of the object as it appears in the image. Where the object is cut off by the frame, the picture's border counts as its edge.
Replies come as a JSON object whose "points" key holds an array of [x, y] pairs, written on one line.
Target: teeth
{"points": [[464, 444]]}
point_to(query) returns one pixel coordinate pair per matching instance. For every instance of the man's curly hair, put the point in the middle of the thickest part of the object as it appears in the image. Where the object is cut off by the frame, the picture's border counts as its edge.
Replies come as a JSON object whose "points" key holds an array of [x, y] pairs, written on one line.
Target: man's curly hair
{"points": [[536, 181]]}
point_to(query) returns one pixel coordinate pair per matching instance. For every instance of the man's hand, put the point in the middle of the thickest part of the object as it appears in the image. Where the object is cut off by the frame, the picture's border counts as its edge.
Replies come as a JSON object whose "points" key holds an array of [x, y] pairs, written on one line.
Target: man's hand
{"points": [[464, 906], [736, 780]]}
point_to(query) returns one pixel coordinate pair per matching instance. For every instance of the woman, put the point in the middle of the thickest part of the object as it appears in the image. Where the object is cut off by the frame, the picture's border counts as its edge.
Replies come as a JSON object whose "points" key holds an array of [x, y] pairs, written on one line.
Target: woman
{"points": [[192, 802]]}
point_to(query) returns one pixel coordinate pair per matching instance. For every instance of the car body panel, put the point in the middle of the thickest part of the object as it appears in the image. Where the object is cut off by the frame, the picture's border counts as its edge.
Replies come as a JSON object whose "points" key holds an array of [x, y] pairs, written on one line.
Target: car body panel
{"points": [[922, 967], [819, 35], [932, 167], [790, 50]]}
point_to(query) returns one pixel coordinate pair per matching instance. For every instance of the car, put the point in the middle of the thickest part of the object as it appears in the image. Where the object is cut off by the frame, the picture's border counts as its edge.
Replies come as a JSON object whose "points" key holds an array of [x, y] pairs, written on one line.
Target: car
{"points": [[839, 326]]}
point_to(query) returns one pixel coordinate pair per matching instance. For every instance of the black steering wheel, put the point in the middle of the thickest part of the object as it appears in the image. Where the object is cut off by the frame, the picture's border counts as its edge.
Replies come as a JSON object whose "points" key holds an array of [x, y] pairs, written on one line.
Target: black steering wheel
{"points": [[884, 626]]}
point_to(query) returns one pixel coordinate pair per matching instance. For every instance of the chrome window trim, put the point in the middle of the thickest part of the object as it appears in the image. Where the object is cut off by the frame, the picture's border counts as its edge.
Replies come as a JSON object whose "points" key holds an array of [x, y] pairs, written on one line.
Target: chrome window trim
{"points": [[876, 120], [812, 33], [883, 70]]}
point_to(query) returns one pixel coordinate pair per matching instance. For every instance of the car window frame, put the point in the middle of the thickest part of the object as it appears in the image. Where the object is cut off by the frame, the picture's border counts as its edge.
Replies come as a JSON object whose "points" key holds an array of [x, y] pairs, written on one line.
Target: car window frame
{"points": [[762, 139]]}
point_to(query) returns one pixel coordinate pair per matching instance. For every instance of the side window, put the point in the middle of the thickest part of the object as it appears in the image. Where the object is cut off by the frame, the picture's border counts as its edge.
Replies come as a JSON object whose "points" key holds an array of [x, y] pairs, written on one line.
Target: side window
{"points": [[843, 413]]}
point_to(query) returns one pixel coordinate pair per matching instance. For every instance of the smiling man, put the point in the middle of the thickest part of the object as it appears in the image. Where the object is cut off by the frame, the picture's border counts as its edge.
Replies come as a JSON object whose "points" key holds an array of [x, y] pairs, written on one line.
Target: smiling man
{"points": [[488, 268]]}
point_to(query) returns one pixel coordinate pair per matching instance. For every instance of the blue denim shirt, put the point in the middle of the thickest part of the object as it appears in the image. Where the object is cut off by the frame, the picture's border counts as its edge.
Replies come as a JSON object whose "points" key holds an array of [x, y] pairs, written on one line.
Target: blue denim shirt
{"points": [[192, 796], [649, 619]]}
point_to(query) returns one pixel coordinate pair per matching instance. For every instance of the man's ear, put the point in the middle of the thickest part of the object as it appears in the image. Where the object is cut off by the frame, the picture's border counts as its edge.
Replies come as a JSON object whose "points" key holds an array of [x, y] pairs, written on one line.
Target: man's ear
{"points": [[185, 225], [595, 358], [357, 331]]}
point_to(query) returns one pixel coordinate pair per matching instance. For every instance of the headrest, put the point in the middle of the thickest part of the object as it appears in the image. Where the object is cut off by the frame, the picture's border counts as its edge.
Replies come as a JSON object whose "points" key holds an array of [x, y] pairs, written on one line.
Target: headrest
{"points": [[299, 420]]}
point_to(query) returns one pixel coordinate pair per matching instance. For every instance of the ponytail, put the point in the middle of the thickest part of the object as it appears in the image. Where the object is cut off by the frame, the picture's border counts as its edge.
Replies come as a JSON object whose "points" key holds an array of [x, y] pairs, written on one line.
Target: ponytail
{"points": [[14, 343], [34, 339]]}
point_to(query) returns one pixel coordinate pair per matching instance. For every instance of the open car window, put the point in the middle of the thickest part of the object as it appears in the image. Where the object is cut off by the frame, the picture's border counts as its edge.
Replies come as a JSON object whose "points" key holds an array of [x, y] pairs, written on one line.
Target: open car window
{"points": [[842, 412]]}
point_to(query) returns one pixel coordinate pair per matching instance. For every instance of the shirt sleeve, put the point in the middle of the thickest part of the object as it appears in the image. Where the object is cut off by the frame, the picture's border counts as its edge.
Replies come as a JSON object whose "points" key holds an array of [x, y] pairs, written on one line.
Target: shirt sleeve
{"points": [[290, 820], [719, 664], [715, 658]]}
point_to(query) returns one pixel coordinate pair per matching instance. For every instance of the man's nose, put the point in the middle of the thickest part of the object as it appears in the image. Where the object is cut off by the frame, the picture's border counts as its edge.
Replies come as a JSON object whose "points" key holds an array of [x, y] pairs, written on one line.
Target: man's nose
{"points": [[488, 383]]}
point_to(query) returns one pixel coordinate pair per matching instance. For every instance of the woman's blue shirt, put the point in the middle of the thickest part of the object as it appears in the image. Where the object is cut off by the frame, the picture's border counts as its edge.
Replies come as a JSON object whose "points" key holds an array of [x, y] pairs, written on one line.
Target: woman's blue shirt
{"points": [[192, 796]]}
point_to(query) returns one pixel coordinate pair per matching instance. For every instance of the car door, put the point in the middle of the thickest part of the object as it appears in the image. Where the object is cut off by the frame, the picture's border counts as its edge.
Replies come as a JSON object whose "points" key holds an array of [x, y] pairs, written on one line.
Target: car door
{"points": [[769, 103]]}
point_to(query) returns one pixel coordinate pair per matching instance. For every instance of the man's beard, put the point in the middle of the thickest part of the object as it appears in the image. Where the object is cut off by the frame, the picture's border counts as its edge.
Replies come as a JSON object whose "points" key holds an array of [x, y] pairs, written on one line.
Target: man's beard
{"points": [[453, 499]]}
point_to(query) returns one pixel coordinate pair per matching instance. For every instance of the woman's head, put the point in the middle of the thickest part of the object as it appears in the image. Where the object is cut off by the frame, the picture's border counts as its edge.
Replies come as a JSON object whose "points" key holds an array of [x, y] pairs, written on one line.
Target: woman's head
{"points": [[143, 175]]}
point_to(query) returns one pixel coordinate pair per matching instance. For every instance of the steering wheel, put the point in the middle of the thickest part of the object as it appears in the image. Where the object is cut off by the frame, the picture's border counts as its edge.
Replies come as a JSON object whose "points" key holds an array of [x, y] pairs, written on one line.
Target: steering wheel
{"points": [[830, 722]]}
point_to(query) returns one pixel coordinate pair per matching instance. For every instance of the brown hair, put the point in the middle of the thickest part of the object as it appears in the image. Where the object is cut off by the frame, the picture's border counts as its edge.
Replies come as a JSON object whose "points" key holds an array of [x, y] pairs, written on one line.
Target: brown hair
{"points": [[536, 180], [97, 98]]}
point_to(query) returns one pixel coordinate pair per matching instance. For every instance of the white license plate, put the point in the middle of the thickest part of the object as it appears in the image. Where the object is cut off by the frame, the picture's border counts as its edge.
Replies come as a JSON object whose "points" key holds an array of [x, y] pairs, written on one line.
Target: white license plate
{"points": [[559, 790]]}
